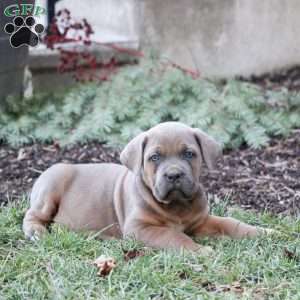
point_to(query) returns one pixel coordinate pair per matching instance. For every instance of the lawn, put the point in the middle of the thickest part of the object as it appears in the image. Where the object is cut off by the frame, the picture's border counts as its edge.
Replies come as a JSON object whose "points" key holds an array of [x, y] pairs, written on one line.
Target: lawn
{"points": [[59, 266]]}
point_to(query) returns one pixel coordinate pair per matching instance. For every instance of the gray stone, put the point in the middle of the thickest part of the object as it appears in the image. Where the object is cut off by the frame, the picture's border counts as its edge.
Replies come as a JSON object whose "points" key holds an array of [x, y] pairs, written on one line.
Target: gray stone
{"points": [[224, 38]]}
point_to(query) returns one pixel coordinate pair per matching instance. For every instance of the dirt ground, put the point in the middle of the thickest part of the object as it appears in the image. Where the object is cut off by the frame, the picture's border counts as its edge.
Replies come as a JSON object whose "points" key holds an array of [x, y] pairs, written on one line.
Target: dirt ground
{"points": [[289, 79], [266, 179]]}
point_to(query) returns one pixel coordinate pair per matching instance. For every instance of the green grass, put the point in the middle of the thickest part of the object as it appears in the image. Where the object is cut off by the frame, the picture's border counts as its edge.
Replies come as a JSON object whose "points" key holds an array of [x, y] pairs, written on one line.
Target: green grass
{"points": [[59, 265]]}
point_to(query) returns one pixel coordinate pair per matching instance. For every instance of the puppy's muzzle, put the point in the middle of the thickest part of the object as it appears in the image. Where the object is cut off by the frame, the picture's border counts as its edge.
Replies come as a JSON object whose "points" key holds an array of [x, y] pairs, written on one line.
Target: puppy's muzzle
{"points": [[174, 176], [174, 184]]}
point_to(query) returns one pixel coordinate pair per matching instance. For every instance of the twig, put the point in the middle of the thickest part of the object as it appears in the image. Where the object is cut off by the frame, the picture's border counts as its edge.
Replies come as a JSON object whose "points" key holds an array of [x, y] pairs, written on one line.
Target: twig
{"points": [[35, 170]]}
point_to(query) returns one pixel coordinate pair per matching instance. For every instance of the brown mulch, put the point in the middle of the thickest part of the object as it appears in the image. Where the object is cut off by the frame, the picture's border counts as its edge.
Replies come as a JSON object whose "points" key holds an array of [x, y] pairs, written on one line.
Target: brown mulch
{"points": [[265, 179], [288, 78], [20, 167]]}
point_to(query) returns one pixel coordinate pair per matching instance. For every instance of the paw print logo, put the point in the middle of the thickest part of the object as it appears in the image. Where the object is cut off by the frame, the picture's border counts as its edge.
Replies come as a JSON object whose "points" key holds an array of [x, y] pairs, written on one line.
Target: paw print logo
{"points": [[24, 32]]}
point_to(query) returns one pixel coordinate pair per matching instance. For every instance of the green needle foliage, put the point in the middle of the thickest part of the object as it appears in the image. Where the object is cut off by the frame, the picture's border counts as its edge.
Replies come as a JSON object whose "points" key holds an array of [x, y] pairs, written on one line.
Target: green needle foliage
{"points": [[139, 97]]}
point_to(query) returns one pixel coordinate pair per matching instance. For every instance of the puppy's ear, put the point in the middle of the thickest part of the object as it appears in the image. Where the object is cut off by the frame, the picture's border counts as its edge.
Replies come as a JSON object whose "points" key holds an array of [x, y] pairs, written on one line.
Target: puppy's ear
{"points": [[133, 153], [210, 149]]}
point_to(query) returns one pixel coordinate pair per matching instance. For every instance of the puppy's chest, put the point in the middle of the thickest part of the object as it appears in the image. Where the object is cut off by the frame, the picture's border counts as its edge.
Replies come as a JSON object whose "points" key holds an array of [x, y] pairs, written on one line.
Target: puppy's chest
{"points": [[184, 221], [178, 226], [182, 225]]}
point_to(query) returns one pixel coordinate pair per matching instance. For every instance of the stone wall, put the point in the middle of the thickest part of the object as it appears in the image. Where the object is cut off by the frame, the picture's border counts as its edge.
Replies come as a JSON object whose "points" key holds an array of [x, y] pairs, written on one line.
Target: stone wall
{"points": [[220, 38], [224, 38]]}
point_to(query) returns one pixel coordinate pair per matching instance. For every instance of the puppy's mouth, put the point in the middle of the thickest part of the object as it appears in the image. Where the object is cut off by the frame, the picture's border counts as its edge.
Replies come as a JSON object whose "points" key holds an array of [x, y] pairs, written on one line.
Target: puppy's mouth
{"points": [[173, 195]]}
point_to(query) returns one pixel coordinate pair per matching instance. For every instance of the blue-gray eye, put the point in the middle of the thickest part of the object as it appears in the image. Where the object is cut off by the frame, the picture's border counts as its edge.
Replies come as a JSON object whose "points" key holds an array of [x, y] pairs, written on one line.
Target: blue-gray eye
{"points": [[188, 154], [155, 157]]}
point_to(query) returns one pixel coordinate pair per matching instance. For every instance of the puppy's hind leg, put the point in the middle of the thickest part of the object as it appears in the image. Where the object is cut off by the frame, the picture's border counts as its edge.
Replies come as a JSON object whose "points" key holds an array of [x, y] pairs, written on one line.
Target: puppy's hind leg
{"points": [[43, 208]]}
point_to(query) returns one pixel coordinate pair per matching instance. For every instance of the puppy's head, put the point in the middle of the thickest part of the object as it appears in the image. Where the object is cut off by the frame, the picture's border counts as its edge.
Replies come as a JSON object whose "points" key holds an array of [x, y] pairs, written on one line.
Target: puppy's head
{"points": [[169, 157]]}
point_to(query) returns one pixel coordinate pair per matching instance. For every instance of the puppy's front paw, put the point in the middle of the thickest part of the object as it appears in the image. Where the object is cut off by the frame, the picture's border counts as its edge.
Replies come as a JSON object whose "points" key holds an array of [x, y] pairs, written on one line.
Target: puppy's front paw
{"points": [[35, 232], [35, 237]]}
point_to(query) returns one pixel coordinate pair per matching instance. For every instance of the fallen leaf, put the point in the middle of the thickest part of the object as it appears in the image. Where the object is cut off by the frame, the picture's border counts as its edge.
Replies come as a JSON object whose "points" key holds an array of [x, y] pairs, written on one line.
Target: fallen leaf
{"points": [[105, 264], [290, 254], [131, 254], [223, 288], [234, 287], [21, 154]]}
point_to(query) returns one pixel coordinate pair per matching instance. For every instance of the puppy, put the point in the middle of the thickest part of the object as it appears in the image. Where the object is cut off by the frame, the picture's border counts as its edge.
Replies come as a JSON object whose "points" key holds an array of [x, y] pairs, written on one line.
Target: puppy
{"points": [[156, 196]]}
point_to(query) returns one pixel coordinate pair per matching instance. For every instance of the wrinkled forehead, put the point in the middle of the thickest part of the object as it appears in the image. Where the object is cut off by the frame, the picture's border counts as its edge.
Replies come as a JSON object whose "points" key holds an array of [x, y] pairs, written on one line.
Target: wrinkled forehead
{"points": [[170, 139]]}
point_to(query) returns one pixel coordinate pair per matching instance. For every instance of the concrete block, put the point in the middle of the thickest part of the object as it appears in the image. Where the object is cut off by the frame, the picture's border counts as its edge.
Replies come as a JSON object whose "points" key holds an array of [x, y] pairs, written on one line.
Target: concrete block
{"points": [[224, 38]]}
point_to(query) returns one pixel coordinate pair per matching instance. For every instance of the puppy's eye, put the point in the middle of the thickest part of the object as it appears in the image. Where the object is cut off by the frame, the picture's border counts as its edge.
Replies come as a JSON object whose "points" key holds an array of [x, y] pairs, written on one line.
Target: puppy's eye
{"points": [[188, 154], [155, 157]]}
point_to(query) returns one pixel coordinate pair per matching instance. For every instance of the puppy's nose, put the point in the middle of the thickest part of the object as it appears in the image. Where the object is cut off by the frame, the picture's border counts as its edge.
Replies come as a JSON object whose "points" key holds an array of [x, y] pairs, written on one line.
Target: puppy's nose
{"points": [[174, 176]]}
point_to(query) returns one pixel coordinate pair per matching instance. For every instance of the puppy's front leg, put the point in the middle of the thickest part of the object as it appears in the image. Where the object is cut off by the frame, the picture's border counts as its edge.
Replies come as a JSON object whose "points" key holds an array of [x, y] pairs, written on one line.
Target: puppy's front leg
{"points": [[218, 226], [163, 237]]}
